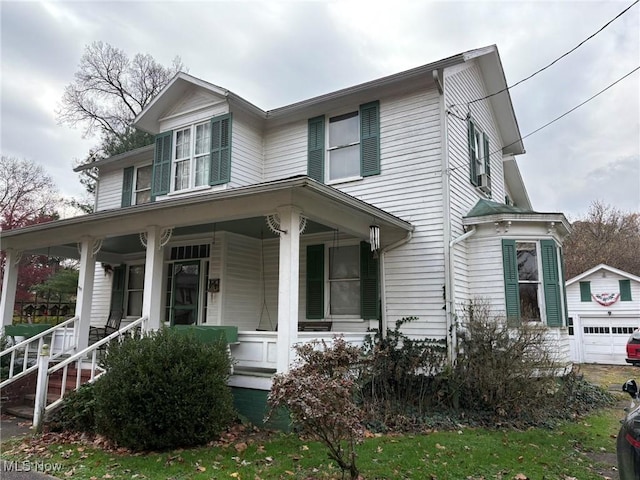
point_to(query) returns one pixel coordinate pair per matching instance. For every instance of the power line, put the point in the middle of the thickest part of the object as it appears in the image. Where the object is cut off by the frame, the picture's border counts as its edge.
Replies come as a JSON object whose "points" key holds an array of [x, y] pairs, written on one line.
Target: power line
{"points": [[568, 111], [557, 59]]}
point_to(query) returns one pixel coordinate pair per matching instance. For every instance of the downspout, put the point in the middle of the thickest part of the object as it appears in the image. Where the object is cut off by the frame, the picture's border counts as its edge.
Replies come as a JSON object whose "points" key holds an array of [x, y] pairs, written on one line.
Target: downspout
{"points": [[383, 287], [449, 294]]}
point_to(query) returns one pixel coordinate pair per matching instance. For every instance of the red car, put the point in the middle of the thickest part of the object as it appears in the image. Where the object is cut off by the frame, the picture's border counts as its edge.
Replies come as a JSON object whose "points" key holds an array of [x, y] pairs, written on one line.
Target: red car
{"points": [[633, 348]]}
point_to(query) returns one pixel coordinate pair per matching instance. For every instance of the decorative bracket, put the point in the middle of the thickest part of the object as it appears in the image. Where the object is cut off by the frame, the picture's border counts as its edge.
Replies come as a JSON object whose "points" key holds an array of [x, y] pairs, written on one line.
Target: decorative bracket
{"points": [[165, 236], [273, 222], [504, 225], [551, 227], [18, 257], [96, 246]]}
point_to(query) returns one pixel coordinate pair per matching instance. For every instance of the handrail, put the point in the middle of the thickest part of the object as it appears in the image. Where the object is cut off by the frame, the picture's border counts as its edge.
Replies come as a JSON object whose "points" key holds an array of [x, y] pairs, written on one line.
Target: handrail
{"points": [[25, 347], [77, 359]]}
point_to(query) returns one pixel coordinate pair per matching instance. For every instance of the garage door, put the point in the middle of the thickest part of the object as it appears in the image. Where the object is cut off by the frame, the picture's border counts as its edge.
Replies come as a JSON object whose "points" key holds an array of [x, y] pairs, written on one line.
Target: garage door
{"points": [[604, 339]]}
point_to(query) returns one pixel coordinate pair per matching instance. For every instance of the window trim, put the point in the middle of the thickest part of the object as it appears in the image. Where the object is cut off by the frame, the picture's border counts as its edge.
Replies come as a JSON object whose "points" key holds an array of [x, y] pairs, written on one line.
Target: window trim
{"points": [[192, 157], [327, 279], [479, 162], [135, 191], [538, 282], [127, 290]]}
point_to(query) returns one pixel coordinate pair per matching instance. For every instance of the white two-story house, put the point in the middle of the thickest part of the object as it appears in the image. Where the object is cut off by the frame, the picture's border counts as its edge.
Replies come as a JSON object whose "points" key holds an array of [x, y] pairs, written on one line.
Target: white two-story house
{"points": [[344, 212]]}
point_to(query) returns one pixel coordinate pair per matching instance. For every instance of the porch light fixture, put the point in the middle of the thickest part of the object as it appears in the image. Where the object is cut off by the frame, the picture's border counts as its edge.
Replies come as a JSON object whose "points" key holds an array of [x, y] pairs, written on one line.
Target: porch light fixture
{"points": [[374, 237]]}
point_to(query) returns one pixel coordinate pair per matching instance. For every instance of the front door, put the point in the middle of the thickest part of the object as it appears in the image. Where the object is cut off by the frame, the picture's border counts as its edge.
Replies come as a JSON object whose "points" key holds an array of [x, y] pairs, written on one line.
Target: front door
{"points": [[185, 292]]}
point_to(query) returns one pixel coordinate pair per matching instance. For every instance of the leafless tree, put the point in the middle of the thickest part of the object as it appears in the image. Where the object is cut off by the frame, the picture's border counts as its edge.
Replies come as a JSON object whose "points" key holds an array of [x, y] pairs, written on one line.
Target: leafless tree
{"points": [[606, 235], [27, 193], [110, 89]]}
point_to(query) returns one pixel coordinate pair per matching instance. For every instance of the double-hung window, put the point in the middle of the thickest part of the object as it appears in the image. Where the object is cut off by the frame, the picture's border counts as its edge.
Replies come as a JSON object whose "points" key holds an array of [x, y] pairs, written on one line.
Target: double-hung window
{"points": [[135, 290], [533, 281], [346, 285], [343, 159], [347, 147], [528, 280], [136, 185], [344, 280], [192, 156], [142, 188], [479, 157]]}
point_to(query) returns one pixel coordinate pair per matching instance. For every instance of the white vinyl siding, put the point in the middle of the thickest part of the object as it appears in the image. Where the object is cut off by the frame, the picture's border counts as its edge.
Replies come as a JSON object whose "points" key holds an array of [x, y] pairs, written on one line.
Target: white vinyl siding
{"points": [[409, 186], [462, 84], [109, 192], [242, 286], [101, 299], [246, 152]]}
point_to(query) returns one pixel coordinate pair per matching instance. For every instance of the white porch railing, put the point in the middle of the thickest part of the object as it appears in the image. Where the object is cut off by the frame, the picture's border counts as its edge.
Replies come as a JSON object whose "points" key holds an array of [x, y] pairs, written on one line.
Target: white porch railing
{"points": [[64, 340], [258, 350], [86, 364]]}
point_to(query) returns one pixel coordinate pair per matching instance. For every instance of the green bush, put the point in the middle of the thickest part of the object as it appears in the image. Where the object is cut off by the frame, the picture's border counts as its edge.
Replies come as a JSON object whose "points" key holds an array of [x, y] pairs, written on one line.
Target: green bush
{"points": [[164, 391], [77, 413]]}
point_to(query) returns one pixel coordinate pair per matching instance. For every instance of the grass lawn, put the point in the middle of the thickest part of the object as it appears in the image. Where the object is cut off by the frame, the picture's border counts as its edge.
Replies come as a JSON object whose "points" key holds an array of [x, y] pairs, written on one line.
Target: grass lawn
{"points": [[568, 452]]}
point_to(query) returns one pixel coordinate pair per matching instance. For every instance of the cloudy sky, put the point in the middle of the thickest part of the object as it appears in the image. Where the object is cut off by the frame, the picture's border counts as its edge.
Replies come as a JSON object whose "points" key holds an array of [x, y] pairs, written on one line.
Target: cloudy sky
{"points": [[276, 53]]}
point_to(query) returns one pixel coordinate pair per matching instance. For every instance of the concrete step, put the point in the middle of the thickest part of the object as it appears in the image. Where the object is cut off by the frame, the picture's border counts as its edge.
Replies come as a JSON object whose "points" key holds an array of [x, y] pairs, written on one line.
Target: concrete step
{"points": [[20, 411]]}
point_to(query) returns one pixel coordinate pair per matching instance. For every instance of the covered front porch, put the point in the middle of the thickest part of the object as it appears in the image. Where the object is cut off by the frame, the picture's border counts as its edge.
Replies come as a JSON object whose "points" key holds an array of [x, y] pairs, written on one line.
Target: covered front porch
{"points": [[282, 262]]}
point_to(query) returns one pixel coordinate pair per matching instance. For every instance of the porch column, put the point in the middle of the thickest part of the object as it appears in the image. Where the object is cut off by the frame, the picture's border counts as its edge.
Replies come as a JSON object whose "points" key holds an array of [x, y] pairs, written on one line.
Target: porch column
{"points": [[9, 285], [288, 285], [85, 291], [152, 296]]}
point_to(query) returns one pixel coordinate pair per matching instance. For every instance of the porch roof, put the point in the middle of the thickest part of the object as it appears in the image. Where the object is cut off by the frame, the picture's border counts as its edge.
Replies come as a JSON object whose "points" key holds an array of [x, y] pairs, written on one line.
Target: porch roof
{"points": [[239, 209]]}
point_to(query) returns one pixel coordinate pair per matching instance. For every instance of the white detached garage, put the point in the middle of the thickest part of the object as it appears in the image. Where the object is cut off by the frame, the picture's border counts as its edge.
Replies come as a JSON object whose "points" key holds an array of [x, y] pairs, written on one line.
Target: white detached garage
{"points": [[604, 310]]}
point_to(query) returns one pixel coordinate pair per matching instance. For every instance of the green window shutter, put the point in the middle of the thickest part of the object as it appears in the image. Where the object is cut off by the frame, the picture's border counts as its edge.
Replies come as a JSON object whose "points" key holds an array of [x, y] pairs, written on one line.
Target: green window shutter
{"points": [[220, 168], [315, 146], [585, 291], [370, 139], [625, 290], [127, 186], [563, 284], [511, 288], [369, 287], [487, 156], [162, 165], [473, 171], [315, 281], [117, 289], [551, 283]]}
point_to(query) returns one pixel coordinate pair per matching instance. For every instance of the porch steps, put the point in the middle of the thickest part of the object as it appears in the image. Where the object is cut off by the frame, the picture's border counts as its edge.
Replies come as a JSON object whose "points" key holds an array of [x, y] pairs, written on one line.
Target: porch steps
{"points": [[25, 408]]}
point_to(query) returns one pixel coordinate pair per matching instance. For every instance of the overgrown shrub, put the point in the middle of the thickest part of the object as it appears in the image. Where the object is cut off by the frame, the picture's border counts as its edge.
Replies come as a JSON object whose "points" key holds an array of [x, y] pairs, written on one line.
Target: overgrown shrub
{"points": [[77, 412], [319, 393], [503, 373], [402, 379], [164, 391]]}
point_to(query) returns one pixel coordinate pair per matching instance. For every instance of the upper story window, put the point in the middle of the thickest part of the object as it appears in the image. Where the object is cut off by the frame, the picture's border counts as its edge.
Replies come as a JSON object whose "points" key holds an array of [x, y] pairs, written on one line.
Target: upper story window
{"points": [[193, 156], [479, 157], [343, 159], [349, 148], [142, 190], [136, 185]]}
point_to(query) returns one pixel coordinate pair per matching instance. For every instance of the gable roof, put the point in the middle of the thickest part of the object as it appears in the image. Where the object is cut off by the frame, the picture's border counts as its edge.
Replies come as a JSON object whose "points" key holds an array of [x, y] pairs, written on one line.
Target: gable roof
{"points": [[602, 266], [488, 60]]}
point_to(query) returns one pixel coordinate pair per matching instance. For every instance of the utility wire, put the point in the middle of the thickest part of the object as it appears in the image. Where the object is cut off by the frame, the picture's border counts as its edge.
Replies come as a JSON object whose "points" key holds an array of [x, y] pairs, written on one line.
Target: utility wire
{"points": [[568, 111], [559, 58]]}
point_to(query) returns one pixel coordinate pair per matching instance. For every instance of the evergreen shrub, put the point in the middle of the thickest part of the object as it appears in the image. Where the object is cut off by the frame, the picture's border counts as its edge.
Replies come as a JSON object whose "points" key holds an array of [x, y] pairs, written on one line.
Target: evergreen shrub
{"points": [[164, 391]]}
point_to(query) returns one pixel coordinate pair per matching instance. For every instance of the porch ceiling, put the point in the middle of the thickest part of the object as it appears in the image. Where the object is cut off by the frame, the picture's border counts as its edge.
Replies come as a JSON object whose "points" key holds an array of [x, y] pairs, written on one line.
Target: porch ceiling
{"points": [[239, 210]]}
